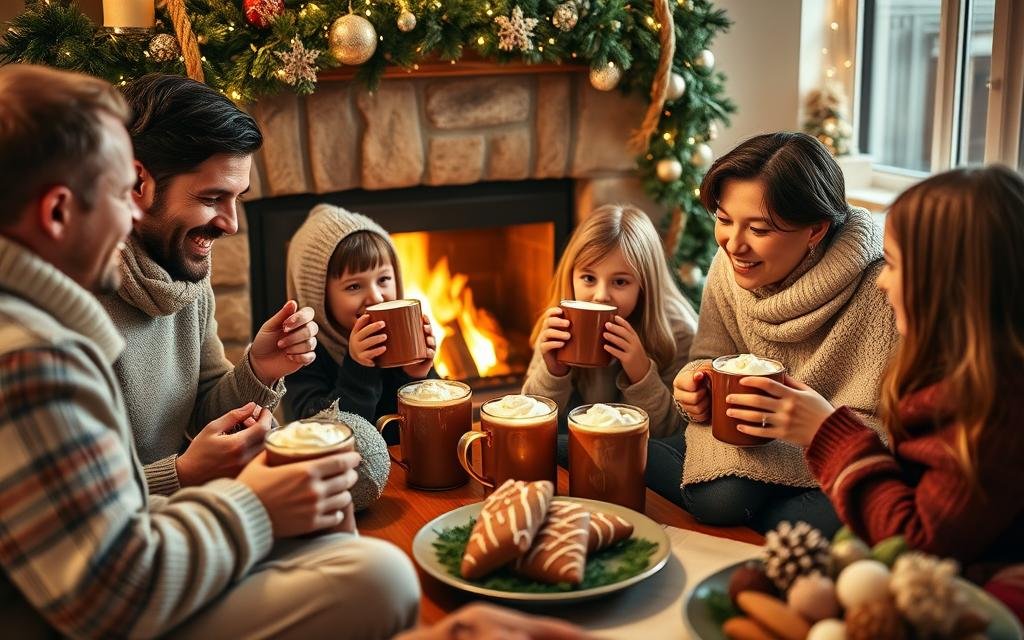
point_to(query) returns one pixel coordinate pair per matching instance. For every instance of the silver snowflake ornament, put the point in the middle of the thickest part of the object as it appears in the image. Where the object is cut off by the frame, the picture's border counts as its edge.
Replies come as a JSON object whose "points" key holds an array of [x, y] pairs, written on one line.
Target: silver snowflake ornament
{"points": [[515, 32], [298, 64]]}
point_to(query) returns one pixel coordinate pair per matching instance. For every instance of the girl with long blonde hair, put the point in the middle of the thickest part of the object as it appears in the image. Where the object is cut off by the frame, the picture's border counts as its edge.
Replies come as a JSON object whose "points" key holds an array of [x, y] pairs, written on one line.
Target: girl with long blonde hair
{"points": [[950, 480], [615, 257]]}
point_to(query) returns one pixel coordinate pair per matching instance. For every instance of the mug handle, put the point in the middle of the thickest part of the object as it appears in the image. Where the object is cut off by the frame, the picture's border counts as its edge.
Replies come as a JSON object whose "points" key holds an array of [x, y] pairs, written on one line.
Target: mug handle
{"points": [[383, 422], [465, 441]]}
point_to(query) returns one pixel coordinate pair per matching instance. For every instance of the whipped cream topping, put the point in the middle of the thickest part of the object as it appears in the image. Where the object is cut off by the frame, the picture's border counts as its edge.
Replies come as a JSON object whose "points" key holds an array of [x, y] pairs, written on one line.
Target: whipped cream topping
{"points": [[517, 406], [308, 435], [432, 391], [606, 416], [749, 364]]}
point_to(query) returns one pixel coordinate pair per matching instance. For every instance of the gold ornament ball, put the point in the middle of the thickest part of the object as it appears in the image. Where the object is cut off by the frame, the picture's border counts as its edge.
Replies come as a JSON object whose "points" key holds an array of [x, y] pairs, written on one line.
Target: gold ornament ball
{"points": [[352, 39], [164, 47], [705, 60], [669, 169], [676, 87], [311, 11], [702, 155], [406, 21], [605, 78]]}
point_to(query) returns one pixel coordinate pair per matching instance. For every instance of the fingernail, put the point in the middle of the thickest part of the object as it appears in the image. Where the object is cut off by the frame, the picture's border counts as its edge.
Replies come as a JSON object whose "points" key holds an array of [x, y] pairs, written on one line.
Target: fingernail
{"points": [[729, 398], [730, 413]]}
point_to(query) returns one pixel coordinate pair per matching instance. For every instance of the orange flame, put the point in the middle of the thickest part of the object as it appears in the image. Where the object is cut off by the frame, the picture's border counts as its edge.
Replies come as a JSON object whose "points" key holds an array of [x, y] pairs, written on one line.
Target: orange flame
{"points": [[448, 302]]}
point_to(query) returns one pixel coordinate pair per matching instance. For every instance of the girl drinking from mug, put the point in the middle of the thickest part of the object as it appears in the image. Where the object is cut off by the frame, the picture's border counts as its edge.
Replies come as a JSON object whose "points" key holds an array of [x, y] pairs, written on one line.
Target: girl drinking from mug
{"points": [[615, 258], [950, 481], [793, 281]]}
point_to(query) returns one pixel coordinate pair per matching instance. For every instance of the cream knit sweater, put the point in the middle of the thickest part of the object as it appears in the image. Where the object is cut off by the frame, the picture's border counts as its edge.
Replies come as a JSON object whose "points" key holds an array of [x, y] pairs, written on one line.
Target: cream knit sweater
{"points": [[173, 371], [653, 393], [828, 323]]}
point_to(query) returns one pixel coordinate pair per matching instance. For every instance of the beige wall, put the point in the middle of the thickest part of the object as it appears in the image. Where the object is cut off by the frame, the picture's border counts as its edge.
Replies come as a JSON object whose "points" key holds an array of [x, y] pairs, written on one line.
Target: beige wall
{"points": [[760, 56]]}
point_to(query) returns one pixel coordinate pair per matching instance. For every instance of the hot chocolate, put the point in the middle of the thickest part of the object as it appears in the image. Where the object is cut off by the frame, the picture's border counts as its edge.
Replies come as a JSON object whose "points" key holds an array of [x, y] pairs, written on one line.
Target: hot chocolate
{"points": [[403, 325], [433, 415], [518, 434], [585, 347], [608, 453], [724, 379]]}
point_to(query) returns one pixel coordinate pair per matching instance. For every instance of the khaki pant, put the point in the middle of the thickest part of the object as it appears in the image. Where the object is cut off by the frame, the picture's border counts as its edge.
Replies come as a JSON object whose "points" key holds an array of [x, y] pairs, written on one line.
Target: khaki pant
{"points": [[333, 586]]}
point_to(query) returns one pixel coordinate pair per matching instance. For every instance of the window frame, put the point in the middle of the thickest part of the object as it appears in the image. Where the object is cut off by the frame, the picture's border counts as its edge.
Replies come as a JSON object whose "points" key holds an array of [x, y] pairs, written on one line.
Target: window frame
{"points": [[1004, 133]]}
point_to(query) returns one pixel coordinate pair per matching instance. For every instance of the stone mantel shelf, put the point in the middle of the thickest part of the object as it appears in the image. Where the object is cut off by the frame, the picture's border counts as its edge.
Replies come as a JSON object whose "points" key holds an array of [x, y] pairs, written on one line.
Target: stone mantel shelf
{"points": [[462, 68]]}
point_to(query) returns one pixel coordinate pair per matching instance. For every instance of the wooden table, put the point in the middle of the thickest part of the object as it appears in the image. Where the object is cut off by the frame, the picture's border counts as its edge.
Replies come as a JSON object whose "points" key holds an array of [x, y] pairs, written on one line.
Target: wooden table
{"points": [[402, 511]]}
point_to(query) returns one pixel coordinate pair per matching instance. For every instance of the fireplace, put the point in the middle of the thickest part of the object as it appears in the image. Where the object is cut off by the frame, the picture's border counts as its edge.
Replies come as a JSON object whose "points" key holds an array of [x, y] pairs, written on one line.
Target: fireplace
{"points": [[480, 257]]}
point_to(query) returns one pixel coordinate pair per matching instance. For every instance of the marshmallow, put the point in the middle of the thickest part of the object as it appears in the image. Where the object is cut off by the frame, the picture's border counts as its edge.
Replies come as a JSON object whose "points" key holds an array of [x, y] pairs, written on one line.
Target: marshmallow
{"points": [[749, 364]]}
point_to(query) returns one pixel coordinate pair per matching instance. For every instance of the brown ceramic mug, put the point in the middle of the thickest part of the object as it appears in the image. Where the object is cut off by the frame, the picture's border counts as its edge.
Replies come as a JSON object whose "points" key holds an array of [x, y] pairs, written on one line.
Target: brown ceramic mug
{"points": [[519, 441], [432, 416], [585, 347], [403, 325], [304, 440], [722, 383], [608, 459]]}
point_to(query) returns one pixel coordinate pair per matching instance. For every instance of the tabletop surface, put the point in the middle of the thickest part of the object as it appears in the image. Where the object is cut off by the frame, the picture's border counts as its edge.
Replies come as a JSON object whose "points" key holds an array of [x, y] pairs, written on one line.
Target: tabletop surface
{"points": [[401, 512]]}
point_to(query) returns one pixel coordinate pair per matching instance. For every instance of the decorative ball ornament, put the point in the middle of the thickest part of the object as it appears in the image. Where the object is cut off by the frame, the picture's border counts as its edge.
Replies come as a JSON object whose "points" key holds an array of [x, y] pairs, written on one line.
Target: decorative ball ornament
{"points": [[566, 16], [352, 39], [831, 629], [846, 552], [705, 60], [406, 21], [164, 47], [712, 131], [260, 13], [605, 78], [862, 582], [814, 597], [676, 87], [669, 169], [615, 25], [702, 155], [311, 11]]}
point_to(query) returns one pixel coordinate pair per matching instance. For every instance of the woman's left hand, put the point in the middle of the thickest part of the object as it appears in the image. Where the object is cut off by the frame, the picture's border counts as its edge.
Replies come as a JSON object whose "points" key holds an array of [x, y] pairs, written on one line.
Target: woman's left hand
{"points": [[624, 343], [420, 369], [792, 412]]}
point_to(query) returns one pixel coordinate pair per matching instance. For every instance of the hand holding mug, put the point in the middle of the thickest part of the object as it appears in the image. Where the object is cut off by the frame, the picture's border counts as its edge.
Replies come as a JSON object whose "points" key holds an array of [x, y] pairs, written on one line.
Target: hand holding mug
{"points": [[366, 341], [624, 344], [420, 370], [792, 411], [553, 336], [692, 395]]}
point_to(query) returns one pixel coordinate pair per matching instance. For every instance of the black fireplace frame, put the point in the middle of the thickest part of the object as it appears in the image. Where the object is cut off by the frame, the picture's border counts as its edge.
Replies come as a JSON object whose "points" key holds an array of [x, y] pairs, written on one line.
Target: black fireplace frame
{"points": [[273, 221]]}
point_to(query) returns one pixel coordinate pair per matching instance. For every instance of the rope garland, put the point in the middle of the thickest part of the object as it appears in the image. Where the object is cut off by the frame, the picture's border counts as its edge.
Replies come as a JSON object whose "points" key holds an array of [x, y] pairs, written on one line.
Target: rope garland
{"points": [[186, 39], [659, 88]]}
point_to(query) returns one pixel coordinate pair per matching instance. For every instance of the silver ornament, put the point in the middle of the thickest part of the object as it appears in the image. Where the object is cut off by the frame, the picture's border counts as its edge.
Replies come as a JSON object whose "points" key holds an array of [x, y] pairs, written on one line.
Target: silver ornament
{"points": [[669, 169], [164, 47], [605, 78], [702, 155], [352, 39], [676, 87], [406, 21], [566, 16], [705, 60]]}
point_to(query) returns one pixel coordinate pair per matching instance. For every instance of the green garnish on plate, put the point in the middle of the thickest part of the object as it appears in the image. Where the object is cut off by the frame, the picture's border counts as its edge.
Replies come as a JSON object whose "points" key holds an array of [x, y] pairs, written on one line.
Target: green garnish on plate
{"points": [[616, 563]]}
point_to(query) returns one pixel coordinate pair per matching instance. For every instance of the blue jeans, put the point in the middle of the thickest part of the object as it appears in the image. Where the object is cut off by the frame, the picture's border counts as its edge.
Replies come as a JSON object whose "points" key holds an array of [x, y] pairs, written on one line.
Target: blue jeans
{"points": [[732, 501]]}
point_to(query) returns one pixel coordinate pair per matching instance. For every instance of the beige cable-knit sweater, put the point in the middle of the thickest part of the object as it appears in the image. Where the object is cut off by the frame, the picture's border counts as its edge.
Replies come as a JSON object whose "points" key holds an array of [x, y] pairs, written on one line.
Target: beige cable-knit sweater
{"points": [[173, 371], [828, 323], [653, 393]]}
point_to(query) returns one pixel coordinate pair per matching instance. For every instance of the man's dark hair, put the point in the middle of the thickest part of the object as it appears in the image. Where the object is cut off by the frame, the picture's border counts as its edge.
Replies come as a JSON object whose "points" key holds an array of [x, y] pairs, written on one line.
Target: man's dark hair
{"points": [[178, 123], [51, 133], [803, 185]]}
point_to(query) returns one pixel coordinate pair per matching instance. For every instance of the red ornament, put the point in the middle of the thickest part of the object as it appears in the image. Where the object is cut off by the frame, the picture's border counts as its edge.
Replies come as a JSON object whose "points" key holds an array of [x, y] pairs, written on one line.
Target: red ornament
{"points": [[260, 13]]}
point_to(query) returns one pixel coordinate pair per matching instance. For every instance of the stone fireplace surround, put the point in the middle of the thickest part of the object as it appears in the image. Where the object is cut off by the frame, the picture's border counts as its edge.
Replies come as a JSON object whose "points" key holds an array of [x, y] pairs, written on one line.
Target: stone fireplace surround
{"points": [[440, 130]]}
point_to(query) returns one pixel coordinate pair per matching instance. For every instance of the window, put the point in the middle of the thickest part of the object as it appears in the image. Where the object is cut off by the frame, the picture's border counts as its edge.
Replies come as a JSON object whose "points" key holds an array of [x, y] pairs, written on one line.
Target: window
{"points": [[926, 96]]}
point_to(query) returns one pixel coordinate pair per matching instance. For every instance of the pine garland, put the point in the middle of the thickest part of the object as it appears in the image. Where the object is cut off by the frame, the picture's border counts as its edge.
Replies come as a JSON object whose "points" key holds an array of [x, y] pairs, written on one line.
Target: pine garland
{"points": [[244, 62]]}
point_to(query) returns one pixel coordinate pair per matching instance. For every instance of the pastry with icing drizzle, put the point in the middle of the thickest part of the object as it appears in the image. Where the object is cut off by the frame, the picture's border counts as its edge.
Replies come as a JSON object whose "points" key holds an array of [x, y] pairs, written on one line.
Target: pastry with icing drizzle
{"points": [[508, 522], [559, 552], [605, 530]]}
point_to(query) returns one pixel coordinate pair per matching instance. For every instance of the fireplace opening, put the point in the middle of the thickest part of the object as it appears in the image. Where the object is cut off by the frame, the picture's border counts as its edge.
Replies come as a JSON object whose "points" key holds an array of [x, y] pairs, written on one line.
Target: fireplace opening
{"points": [[479, 257]]}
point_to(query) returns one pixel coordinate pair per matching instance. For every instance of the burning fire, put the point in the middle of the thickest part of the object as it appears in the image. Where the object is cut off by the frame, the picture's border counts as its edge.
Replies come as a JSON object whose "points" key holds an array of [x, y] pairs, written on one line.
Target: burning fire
{"points": [[470, 342]]}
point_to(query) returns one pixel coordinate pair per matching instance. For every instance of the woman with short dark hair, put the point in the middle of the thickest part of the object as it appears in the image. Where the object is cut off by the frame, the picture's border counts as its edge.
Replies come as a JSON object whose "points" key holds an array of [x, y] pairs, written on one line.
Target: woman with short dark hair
{"points": [[793, 281]]}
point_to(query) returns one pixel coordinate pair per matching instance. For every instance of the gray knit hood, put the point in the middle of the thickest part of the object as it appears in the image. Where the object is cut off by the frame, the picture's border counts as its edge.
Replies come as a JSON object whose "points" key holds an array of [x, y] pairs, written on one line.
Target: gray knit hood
{"points": [[310, 252]]}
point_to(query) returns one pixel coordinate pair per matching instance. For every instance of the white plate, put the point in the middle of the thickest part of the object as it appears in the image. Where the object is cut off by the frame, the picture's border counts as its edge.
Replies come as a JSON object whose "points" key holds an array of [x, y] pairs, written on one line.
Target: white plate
{"points": [[643, 527], [701, 624]]}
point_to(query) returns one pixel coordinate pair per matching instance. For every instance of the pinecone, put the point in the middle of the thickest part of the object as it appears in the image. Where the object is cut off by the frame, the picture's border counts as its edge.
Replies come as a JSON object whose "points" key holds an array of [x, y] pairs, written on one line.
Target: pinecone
{"points": [[875, 620], [791, 551], [927, 594]]}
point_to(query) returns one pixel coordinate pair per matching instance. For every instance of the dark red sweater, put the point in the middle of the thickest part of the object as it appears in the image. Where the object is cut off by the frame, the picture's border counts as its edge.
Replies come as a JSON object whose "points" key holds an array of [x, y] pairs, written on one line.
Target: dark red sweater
{"points": [[918, 490]]}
